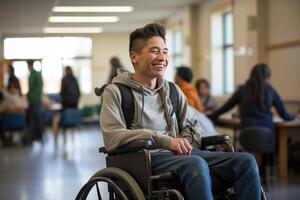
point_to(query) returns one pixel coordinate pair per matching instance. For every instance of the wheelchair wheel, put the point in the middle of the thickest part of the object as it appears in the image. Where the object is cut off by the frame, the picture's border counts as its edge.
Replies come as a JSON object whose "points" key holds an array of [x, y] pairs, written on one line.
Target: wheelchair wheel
{"points": [[120, 185], [86, 189]]}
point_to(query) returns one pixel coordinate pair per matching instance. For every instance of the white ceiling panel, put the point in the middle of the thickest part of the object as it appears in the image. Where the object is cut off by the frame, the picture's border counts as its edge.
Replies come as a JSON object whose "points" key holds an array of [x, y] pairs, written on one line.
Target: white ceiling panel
{"points": [[31, 16]]}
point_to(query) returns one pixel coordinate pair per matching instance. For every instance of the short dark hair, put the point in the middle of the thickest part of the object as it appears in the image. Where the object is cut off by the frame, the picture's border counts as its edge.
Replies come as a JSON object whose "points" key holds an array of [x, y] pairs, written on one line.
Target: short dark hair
{"points": [[69, 71], [139, 37], [30, 62], [185, 73]]}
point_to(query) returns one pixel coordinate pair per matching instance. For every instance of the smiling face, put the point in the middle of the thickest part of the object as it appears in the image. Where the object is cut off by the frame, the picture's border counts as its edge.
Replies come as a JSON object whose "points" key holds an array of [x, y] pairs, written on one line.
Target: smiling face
{"points": [[152, 61]]}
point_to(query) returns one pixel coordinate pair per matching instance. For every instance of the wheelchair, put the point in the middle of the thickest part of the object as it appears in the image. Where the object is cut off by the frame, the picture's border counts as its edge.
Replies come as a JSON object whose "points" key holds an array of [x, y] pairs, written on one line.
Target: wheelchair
{"points": [[128, 174]]}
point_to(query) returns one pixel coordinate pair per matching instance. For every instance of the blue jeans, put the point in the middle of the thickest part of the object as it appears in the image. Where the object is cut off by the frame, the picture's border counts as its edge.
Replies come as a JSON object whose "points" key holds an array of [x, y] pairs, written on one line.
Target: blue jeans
{"points": [[201, 170]]}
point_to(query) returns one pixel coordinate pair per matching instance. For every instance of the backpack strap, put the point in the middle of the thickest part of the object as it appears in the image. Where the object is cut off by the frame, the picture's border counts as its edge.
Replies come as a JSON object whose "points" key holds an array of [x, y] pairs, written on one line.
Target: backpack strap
{"points": [[99, 91], [174, 99], [127, 103]]}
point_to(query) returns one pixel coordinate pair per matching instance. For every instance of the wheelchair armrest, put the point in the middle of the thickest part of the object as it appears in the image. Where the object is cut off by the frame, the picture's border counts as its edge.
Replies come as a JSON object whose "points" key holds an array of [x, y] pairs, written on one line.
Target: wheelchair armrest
{"points": [[214, 140], [131, 147]]}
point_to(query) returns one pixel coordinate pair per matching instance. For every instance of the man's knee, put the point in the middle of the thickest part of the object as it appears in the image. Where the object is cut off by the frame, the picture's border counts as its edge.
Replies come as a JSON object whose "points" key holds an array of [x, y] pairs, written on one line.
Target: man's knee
{"points": [[248, 161], [198, 165]]}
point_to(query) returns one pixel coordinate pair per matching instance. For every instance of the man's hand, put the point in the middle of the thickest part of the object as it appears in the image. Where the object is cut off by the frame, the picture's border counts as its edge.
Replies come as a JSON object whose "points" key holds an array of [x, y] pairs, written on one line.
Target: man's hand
{"points": [[180, 146]]}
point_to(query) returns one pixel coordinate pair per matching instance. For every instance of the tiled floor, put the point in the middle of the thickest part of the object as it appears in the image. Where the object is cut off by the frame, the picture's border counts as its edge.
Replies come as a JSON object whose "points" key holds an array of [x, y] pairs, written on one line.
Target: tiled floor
{"points": [[48, 173]]}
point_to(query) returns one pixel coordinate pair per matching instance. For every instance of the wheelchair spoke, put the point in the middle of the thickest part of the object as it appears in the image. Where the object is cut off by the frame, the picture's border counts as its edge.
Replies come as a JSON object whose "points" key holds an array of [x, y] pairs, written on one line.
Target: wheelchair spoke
{"points": [[98, 192], [84, 192]]}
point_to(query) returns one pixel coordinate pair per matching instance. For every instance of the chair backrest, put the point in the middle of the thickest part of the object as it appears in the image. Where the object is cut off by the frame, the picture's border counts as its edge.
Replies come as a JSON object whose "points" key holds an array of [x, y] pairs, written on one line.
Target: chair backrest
{"points": [[87, 111], [14, 121], [71, 117], [257, 140]]}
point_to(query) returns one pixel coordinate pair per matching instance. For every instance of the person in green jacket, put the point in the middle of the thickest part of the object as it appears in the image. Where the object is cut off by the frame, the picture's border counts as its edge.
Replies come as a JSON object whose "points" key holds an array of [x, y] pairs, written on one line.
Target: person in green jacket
{"points": [[34, 98]]}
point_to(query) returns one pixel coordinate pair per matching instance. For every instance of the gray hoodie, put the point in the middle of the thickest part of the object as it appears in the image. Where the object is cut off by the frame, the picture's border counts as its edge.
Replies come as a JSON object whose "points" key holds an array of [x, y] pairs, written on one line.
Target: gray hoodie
{"points": [[153, 118]]}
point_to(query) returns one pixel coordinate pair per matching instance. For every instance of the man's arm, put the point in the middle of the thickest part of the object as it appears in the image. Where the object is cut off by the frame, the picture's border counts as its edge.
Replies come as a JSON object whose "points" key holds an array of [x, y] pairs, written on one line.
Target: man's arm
{"points": [[113, 124]]}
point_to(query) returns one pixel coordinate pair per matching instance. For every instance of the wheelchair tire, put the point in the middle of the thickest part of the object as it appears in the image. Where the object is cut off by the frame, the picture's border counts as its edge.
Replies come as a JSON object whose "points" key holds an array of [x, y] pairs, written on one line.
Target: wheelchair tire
{"points": [[122, 178], [85, 190]]}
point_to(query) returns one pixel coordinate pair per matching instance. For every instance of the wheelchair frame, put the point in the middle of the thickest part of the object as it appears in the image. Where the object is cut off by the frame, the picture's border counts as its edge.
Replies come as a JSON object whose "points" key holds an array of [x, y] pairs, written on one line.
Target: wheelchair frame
{"points": [[140, 181]]}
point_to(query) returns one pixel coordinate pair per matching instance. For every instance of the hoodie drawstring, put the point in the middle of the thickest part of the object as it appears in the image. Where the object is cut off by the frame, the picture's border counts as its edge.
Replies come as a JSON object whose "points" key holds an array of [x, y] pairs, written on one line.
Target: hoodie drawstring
{"points": [[142, 104]]}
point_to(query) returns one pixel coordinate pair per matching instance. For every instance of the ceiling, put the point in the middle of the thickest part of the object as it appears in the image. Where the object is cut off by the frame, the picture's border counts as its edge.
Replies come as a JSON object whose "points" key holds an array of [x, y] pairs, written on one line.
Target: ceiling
{"points": [[25, 17]]}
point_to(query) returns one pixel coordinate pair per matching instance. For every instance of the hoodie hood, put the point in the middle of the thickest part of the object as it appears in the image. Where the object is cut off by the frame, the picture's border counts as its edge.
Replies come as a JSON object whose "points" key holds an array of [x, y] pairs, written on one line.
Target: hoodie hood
{"points": [[125, 77]]}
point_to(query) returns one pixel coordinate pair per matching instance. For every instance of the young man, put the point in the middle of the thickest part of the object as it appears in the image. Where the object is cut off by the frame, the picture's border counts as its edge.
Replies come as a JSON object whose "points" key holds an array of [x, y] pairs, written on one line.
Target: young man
{"points": [[34, 97], [153, 119]]}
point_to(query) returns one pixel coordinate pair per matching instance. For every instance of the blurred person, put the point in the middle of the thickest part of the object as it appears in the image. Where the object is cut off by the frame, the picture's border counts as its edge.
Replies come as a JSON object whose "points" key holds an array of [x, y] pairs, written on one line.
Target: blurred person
{"points": [[12, 79], [115, 65], [255, 99], [69, 92], [183, 78], [34, 97], [12, 101], [208, 102], [205, 123]]}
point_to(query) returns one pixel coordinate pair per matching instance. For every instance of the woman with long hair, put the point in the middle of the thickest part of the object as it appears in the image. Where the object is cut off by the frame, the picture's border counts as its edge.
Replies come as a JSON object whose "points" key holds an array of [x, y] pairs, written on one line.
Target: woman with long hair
{"points": [[69, 92], [255, 99]]}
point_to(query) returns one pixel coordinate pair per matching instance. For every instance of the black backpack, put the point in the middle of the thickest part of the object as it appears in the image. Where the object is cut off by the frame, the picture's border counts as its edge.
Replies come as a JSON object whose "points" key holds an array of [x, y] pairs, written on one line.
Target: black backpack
{"points": [[128, 100]]}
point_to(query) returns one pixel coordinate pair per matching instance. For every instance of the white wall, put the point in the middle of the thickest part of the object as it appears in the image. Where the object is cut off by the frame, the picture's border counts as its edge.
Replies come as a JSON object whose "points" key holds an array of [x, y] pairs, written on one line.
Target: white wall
{"points": [[1, 47], [105, 46], [284, 26], [244, 38], [203, 69], [182, 17]]}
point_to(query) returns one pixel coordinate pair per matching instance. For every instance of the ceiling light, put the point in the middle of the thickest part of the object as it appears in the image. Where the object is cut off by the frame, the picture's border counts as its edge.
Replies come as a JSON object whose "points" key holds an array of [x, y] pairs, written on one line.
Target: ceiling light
{"points": [[89, 19], [72, 30], [92, 9]]}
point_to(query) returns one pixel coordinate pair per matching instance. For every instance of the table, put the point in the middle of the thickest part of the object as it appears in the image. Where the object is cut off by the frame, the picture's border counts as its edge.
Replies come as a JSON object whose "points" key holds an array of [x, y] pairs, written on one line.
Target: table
{"points": [[228, 121], [283, 128]]}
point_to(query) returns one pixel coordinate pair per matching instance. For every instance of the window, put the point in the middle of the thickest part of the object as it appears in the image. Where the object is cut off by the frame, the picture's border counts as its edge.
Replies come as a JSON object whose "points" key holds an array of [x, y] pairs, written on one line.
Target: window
{"points": [[175, 46], [52, 54], [222, 53]]}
